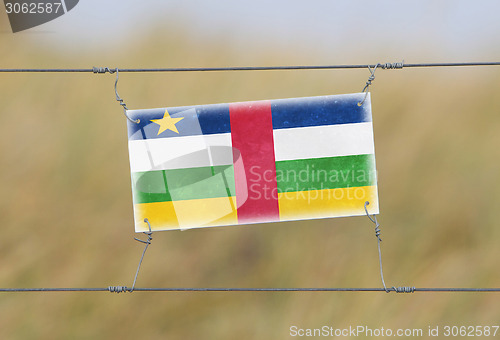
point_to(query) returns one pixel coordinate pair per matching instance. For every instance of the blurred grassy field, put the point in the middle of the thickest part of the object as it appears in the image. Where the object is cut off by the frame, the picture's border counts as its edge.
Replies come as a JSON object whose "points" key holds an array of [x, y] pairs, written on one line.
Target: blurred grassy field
{"points": [[66, 210]]}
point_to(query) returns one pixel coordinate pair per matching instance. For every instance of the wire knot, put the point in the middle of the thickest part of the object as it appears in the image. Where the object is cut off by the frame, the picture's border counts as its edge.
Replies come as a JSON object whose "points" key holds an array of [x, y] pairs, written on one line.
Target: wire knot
{"points": [[374, 220], [368, 83], [402, 289], [118, 289], [370, 79], [148, 233], [103, 70], [392, 66]]}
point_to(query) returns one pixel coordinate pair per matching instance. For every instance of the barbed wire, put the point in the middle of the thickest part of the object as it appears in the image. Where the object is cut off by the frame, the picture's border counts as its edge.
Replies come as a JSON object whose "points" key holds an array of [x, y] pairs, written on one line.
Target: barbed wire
{"points": [[398, 65]]}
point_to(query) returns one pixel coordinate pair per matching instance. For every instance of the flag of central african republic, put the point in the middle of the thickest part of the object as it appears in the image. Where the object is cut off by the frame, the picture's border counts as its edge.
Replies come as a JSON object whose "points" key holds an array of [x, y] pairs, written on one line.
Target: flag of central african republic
{"points": [[252, 162]]}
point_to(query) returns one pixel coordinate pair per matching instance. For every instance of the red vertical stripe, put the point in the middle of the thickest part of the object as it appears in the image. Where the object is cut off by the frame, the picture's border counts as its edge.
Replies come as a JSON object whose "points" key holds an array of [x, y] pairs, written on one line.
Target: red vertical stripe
{"points": [[252, 136]]}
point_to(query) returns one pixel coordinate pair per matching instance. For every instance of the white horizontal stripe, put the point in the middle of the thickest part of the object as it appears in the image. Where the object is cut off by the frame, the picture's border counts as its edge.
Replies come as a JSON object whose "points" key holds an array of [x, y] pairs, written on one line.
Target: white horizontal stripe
{"points": [[323, 141], [180, 152]]}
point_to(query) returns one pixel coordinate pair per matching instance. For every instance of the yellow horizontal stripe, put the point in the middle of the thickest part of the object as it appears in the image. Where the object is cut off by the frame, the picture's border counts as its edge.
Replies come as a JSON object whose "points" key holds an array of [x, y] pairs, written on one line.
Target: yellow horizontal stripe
{"points": [[327, 203], [222, 211], [186, 214]]}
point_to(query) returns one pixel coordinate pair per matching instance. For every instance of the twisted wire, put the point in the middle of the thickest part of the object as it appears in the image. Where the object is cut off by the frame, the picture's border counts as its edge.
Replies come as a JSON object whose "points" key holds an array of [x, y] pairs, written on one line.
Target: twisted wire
{"points": [[404, 289], [250, 68], [392, 66], [377, 235], [102, 70], [120, 289], [117, 289], [119, 99], [368, 83], [147, 242]]}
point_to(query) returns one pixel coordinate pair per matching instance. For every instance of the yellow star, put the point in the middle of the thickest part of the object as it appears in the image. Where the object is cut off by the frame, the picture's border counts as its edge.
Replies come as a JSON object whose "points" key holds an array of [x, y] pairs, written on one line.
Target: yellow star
{"points": [[167, 123]]}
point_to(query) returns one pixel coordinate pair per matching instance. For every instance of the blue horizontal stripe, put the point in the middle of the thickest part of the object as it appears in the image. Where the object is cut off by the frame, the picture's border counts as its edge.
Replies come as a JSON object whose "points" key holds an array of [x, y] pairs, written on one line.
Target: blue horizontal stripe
{"points": [[286, 113], [314, 111], [197, 120]]}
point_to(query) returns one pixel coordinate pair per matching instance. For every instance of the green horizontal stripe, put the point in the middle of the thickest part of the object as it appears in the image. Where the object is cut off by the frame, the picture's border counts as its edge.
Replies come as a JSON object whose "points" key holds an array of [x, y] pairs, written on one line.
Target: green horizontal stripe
{"points": [[218, 181], [183, 184], [325, 173]]}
